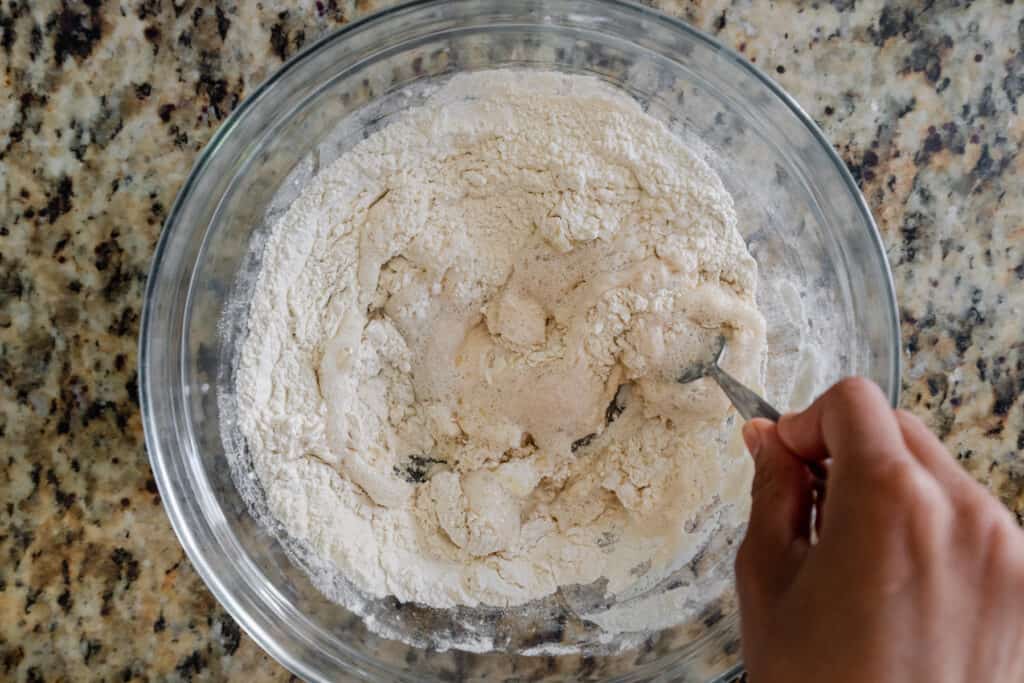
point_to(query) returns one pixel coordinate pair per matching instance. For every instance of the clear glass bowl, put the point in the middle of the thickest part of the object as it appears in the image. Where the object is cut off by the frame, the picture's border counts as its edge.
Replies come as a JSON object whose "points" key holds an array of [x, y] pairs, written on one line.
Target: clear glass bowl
{"points": [[823, 276]]}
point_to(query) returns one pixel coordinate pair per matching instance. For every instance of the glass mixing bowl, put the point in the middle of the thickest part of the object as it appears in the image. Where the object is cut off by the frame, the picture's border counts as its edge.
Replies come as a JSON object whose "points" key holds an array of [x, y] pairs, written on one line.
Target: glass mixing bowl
{"points": [[824, 284]]}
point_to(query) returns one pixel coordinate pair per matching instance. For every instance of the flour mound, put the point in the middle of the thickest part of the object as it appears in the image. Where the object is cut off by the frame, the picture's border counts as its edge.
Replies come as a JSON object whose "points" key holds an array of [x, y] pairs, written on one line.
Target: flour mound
{"points": [[458, 380]]}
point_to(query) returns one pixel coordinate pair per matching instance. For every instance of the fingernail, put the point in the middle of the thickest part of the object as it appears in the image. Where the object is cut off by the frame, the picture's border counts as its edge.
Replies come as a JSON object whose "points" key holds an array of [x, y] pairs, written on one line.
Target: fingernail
{"points": [[752, 437]]}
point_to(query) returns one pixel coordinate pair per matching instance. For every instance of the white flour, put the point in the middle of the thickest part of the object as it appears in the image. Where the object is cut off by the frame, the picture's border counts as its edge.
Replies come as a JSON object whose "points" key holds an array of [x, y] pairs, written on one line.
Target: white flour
{"points": [[458, 382]]}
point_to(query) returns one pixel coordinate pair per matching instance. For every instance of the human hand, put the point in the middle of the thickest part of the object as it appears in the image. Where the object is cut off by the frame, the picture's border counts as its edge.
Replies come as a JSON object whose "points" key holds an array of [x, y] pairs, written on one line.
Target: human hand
{"points": [[917, 573]]}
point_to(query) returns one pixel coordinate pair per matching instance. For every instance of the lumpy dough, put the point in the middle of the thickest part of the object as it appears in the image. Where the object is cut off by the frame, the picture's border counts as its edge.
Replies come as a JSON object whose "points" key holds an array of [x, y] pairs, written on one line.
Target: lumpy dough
{"points": [[458, 381]]}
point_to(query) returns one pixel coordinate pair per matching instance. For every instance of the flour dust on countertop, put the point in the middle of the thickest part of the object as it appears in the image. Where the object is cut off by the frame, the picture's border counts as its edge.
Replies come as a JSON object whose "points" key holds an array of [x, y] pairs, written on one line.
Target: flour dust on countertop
{"points": [[458, 383]]}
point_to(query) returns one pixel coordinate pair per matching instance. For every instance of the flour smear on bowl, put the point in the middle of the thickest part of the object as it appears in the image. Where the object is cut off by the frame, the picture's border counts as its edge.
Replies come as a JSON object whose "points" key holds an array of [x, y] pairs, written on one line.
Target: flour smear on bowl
{"points": [[458, 381]]}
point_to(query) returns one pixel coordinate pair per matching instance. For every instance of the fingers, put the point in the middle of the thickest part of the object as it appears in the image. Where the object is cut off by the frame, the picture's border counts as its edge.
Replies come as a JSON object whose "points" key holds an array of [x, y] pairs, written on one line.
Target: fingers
{"points": [[780, 513], [934, 457], [852, 421], [929, 451]]}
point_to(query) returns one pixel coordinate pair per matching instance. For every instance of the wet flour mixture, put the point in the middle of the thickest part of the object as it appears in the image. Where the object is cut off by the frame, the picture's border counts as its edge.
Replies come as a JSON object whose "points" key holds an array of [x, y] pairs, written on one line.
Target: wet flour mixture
{"points": [[458, 381]]}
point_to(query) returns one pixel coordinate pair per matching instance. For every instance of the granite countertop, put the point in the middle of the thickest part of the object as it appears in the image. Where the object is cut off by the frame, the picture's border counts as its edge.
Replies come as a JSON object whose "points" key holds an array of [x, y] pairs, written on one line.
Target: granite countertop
{"points": [[104, 108]]}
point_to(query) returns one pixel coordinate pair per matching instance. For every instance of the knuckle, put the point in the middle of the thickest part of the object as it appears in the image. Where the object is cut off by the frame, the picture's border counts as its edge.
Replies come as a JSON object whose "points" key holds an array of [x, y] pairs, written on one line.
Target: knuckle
{"points": [[1002, 537], [975, 515], [855, 390], [906, 417], [904, 476], [764, 482], [1002, 550], [766, 489], [929, 517], [904, 489], [897, 476]]}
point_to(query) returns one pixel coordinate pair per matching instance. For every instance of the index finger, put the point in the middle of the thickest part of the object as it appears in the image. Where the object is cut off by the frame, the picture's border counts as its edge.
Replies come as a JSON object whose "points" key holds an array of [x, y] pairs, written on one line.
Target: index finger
{"points": [[852, 420]]}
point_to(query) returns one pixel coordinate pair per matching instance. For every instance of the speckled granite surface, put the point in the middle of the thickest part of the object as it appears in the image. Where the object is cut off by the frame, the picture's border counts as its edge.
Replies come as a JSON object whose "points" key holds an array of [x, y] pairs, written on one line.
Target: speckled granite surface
{"points": [[103, 108]]}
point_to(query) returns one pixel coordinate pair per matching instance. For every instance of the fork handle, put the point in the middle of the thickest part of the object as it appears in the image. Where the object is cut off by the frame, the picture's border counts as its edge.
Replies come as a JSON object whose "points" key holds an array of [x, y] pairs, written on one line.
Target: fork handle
{"points": [[750, 405]]}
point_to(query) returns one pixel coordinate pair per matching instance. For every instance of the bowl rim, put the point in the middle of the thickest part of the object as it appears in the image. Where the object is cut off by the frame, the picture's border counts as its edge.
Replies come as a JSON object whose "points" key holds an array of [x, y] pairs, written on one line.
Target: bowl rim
{"points": [[170, 497]]}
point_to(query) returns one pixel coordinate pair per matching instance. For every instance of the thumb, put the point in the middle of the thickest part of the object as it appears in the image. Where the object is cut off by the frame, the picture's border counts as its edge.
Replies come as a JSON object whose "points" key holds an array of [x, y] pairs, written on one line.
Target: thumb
{"points": [[781, 499]]}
